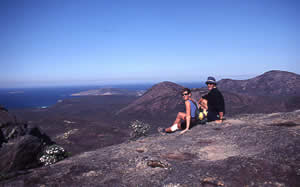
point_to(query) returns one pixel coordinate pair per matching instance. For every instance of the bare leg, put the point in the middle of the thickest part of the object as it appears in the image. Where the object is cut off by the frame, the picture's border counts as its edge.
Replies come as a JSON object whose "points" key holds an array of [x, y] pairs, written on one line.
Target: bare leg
{"points": [[177, 123]]}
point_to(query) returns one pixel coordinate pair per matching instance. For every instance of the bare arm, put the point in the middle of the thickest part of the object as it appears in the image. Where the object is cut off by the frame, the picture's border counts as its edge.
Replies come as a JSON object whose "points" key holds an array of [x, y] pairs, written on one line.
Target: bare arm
{"points": [[200, 100]]}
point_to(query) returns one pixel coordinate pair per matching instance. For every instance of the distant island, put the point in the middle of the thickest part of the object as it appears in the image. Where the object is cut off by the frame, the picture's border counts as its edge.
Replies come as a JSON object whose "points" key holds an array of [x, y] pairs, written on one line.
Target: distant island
{"points": [[109, 91], [16, 92]]}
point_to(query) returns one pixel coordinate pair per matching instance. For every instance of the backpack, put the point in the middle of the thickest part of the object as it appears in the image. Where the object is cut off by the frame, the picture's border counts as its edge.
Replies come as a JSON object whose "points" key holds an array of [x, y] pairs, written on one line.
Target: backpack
{"points": [[201, 114]]}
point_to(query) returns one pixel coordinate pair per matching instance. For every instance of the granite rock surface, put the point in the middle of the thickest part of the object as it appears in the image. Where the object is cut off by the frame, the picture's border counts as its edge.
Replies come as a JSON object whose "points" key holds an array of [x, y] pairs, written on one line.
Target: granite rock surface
{"points": [[247, 150]]}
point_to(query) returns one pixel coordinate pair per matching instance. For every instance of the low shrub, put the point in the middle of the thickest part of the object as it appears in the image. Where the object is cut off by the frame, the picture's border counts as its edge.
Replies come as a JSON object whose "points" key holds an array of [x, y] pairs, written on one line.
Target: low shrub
{"points": [[139, 129], [53, 154]]}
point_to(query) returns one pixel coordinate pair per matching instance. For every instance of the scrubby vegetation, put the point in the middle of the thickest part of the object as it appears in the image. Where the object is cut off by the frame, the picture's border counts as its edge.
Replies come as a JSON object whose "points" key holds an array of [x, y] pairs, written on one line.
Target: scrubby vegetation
{"points": [[53, 154], [139, 129]]}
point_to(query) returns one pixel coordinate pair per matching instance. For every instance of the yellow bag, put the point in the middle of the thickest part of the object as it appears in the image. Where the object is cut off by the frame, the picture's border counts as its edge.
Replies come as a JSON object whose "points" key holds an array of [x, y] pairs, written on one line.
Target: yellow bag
{"points": [[202, 114]]}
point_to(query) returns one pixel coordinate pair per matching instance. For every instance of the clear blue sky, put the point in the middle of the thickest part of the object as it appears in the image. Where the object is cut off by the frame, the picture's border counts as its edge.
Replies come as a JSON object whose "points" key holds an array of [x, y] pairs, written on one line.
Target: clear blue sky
{"points": [[67, 42]]}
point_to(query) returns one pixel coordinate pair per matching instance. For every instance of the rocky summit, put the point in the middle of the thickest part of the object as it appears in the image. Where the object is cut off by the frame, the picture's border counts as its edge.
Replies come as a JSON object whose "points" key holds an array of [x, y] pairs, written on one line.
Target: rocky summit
{"points": [[247, 150]]}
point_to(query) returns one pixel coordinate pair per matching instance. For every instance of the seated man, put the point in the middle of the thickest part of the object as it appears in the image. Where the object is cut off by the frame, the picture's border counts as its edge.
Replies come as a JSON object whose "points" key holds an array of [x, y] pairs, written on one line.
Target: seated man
{"points": [[215, 101], [185, 120]]}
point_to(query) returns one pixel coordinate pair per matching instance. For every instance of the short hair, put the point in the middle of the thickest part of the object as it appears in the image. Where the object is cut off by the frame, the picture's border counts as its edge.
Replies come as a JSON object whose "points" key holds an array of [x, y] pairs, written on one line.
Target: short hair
{"points": [[186, 90]]}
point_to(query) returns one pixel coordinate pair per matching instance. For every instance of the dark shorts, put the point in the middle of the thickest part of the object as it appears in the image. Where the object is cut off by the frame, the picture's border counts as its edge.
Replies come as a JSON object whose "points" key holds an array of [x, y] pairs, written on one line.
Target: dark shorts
{"points": [[193, 123], [212, 116]]}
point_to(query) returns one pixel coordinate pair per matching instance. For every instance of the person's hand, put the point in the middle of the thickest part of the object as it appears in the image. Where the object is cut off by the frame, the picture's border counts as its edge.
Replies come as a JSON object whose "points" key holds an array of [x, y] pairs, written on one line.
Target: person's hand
{"points": [[219, 121], [184, 131]]}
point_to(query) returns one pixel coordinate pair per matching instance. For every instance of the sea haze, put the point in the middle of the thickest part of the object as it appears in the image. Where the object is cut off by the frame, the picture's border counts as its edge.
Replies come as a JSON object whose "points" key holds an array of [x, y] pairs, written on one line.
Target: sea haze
{"points": [[18, 98]]}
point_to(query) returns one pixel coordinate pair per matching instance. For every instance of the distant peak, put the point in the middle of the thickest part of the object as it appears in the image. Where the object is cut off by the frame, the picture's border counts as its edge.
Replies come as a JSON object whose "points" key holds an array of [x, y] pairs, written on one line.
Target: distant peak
{"points": [[159, 99], [167, 83], [277, 72]]}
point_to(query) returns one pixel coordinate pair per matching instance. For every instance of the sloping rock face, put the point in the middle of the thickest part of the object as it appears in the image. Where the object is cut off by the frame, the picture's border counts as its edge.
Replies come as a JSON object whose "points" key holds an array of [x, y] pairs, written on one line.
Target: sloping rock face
{"points": [[20, 145], [159, 101], [249, 150], [272, 83]]}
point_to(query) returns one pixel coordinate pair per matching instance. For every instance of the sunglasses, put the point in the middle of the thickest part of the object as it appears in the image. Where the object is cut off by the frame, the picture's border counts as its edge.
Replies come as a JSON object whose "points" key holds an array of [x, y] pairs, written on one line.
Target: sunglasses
{"points": [[184, 94]]}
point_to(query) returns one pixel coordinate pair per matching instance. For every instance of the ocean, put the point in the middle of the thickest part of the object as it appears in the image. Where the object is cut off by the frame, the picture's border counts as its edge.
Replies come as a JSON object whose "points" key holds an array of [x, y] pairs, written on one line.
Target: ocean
{"points": [[19, 98]]}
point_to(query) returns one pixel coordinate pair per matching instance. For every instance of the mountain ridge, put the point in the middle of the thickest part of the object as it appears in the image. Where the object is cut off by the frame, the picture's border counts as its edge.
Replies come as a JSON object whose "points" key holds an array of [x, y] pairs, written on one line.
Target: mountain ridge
{"points": [[271, 83], [253, 95]]}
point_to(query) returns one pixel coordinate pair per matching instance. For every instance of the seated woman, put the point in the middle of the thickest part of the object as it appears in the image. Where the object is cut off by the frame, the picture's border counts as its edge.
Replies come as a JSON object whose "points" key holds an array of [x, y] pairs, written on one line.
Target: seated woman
{"points": [[185, 120]]}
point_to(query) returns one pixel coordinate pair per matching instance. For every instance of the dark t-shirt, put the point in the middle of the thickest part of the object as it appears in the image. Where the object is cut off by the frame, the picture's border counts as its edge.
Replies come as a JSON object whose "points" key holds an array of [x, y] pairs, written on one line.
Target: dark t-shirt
{"points": [[215, 102]]}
